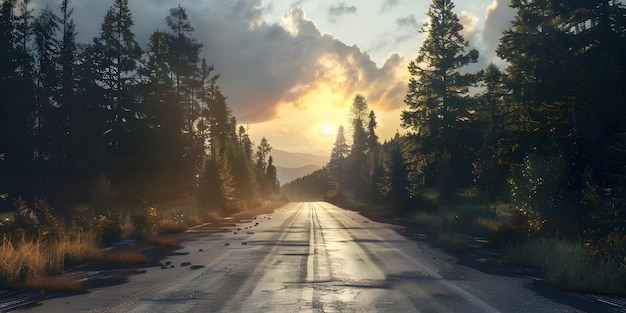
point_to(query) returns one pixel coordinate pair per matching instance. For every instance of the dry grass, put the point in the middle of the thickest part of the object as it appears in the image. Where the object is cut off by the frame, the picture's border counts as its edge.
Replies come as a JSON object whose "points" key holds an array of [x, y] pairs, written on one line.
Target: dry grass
{"points": [[81, 249], [126, 258], [25, 260], [164, 242], [20, 262]]}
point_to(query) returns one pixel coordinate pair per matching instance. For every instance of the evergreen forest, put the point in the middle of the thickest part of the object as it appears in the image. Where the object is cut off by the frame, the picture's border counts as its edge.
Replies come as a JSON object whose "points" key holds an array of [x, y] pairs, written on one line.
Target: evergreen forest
{"points": [[97, 134], [531, 153]]}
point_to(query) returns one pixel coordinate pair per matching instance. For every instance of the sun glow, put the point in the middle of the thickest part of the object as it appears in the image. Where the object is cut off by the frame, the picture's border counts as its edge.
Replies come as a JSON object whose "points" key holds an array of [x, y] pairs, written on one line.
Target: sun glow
{"points": [[326, 129]]}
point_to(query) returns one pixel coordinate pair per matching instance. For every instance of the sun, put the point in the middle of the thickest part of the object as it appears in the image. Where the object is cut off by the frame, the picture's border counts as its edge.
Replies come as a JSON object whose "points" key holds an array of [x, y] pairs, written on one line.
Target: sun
{"points": [[326, 129]]}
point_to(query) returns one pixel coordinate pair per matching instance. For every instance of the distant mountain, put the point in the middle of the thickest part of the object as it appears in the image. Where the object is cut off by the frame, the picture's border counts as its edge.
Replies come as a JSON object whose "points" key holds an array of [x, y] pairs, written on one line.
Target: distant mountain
{"points": [[290, 166], [286, 175], [295, 160]]}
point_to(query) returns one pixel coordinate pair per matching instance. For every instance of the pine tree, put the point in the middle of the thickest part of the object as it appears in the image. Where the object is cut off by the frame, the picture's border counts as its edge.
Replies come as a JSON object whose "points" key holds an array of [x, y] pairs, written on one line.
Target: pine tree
{"points": [[184, 53], [244, 178], [496, 122], [338, 161], [358, 166], [437, 97], [216, 187], [184, 49], [118, 53], [17, 100], [375, 164], [569, 83], [115, 55], [270, 177], [160, 141], [72, 112], [218, 117], [49, 131], [395, 187], [244, 140], [261, 166], [12, 119]]}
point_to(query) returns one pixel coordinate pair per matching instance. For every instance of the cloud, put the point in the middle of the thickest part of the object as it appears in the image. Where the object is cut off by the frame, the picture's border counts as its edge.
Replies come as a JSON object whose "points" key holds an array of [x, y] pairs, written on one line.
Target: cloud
{"points": [[498, 17], [264, 66], [408, 28], [336, 11], [345, 70], [388, 5], [408, 21], [380, 42], [469, 23]]}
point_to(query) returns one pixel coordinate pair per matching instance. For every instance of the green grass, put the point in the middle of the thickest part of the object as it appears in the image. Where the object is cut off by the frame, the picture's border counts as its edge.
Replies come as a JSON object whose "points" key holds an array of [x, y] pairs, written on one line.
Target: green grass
{"points": [[566, 265], [452, 242]]}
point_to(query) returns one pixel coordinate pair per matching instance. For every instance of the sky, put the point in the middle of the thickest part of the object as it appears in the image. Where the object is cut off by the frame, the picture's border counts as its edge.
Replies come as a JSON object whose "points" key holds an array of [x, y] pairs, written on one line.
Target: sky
{"points": [[290, 69]]}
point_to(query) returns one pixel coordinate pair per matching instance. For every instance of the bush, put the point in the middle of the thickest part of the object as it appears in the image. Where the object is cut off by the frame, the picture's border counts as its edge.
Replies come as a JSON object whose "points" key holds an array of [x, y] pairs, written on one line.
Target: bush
{"points": [[145, 220], [107, 228]]}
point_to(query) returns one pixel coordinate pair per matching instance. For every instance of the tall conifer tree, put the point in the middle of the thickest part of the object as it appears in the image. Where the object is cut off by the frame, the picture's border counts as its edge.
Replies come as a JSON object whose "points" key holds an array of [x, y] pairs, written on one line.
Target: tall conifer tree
{"points": [[438, 108]]}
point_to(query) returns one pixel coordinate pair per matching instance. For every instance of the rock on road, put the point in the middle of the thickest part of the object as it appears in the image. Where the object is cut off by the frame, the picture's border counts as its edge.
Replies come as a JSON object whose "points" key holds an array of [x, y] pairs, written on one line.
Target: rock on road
{"points": [[309, 257]]}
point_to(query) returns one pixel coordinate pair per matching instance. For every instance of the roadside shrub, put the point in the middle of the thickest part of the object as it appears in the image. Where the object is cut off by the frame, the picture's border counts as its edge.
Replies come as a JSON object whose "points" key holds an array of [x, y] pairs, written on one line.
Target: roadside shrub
{"points": [[107, 228], [145, 220]]}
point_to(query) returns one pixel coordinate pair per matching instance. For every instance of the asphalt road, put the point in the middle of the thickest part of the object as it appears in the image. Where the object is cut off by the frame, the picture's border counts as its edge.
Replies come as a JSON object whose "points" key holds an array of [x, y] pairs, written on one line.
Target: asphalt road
{"points": [[309, 257]]}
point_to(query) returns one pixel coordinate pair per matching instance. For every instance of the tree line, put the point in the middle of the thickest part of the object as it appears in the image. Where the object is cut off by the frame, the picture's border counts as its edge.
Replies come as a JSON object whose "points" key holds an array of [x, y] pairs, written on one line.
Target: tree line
{"points": [[110, 125], [546, 134]]}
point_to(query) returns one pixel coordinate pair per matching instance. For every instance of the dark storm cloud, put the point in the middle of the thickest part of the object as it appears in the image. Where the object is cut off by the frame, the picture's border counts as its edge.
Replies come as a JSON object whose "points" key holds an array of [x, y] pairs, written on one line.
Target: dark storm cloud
{"points": [[339, 10], [261, 64]]}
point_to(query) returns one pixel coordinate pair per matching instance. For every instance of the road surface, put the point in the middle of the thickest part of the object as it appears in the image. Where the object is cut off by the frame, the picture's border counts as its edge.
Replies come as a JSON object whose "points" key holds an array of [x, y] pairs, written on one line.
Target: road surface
{"points": [[309, 257]]}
